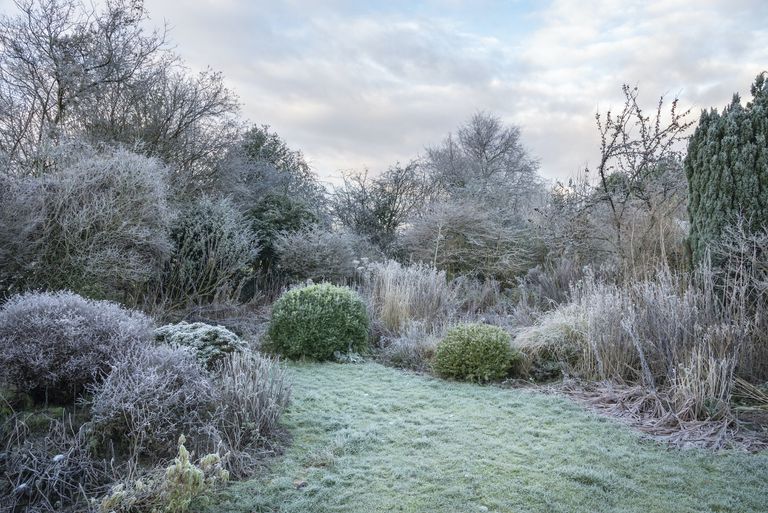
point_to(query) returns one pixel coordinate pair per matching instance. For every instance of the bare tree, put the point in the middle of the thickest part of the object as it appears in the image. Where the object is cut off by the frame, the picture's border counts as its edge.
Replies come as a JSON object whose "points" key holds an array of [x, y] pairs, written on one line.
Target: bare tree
{"points": [[640, 171], [67, 68], [377, 207], [487, 160]]}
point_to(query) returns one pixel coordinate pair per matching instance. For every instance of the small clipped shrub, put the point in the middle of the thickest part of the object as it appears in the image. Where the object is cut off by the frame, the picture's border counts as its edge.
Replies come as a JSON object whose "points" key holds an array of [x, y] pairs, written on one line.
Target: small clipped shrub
{"points": [[210, 343], [52, 345], [316, 321], [475, 352]]}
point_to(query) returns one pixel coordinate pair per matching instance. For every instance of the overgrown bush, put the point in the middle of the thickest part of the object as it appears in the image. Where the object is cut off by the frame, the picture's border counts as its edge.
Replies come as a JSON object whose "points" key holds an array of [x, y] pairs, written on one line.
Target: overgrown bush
{"points": [[209, 343], [552, 345], [212, 248], [319, 254], [52, 469], [96, 223], [52, 345], [251, 393], [414, 348], [475, 352], [150, 397], [316, 321]]}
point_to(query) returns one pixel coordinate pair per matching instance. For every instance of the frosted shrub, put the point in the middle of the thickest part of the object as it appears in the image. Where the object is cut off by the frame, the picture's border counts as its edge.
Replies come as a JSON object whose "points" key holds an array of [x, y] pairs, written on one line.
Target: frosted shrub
{"points": [[401, 294], [320, 255], [213, 245], [210, 343], [552, 345], [151, 396], [475, 352], [317, 321], [97, 223], [54, 344]]}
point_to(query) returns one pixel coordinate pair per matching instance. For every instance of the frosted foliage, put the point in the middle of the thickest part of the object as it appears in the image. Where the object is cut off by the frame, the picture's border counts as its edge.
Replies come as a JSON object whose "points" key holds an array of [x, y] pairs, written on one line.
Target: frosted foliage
{"points": [[209, 343], [53, 345]]}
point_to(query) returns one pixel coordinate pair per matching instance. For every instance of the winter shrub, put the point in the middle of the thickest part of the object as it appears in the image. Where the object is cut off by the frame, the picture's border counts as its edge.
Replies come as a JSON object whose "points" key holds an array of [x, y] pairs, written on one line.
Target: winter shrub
{"points": [[318, 320], [96, 223], [52, 345], [213, 246], [51, 470], [401, 294], [151, 396], [475, 352], [320, 255], [210, 343], [251, 394], [413, 349]]}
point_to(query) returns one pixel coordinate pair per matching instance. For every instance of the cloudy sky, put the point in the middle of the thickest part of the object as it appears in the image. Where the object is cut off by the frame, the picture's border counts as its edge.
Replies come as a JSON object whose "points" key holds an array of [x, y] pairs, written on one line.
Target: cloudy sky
{"points": [[364, 84]]}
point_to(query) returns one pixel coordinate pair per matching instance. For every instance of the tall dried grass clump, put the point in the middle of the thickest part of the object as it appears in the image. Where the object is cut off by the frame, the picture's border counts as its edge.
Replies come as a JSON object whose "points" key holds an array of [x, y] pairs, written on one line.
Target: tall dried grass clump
{"points": [[251, 393], [399, 295]]}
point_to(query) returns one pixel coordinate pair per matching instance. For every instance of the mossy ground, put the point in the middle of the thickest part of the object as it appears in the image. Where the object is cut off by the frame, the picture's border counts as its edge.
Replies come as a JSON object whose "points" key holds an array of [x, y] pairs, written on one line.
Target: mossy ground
{"points": [[368, 438]]}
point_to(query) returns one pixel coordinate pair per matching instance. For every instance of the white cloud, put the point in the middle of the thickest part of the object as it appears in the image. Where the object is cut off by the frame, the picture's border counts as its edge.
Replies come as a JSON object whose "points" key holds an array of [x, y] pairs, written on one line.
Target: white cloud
{"points": [[365, 84]]}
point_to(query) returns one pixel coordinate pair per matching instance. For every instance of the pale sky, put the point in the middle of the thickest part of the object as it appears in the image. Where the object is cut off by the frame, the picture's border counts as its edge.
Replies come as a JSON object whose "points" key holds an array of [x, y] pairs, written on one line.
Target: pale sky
{"points": [[364, 84]]}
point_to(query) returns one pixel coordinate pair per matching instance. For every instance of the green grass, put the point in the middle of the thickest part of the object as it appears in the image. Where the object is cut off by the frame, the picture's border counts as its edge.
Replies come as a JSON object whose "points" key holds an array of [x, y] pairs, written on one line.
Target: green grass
{"points": [[368, 438]]}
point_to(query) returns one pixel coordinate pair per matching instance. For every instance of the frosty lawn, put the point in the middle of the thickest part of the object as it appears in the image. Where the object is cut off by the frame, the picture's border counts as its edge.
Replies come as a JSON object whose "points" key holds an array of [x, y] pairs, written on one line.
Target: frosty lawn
{"points": [[368, 438]]}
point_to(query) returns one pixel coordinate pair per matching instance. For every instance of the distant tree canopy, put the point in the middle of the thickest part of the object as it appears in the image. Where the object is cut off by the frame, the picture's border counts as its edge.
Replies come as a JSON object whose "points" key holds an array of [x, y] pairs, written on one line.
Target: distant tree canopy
{"points": [[727, 169], [376, 207], [486, 161]]}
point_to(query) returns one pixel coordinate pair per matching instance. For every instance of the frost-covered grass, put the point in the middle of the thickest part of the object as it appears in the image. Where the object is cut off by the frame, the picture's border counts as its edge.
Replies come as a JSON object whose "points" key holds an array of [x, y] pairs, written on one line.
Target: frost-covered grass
{"points": [[368, 438]]}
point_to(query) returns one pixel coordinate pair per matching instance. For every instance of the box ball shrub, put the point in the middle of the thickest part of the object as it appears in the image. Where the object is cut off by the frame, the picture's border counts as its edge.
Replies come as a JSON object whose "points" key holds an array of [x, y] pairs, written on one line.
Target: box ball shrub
{"points": [[316, 321], [475, 352], [52, 345], [210, 343]]}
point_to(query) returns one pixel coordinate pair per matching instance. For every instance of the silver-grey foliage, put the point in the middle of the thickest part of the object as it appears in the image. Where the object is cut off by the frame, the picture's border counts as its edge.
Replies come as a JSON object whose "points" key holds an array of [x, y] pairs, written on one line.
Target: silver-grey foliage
{"points": [[53, 345], [95, 222], [150, 397]]}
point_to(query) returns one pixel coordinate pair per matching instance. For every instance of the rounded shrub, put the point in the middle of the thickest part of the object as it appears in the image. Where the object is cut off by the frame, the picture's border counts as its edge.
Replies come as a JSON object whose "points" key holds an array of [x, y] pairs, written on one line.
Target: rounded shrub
{"points": [[152, 395], [475, 352], [210, 343], [52, 345], [316, 321]]}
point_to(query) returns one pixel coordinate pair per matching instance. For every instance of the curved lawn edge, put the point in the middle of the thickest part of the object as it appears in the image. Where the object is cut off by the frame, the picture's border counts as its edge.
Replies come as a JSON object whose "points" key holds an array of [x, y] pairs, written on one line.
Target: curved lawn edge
{"points": [[369, 438]]}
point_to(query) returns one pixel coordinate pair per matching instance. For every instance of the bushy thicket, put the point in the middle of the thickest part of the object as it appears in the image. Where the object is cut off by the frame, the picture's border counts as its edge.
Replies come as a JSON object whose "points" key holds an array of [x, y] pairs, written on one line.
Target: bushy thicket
{"points": [[475, 352], [52, 345], [317, 321], [97, 223], [209, 343], [212, 247], [320, 254], [150, 397]]}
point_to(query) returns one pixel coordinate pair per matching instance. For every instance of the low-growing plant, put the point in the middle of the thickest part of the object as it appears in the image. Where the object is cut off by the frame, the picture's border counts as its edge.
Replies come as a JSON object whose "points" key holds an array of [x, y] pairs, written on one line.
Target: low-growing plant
{"points": [[171, 491], [475, 352], [210, 343], [52, 345], [550, 347], [316, 321], [150, 397]]}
